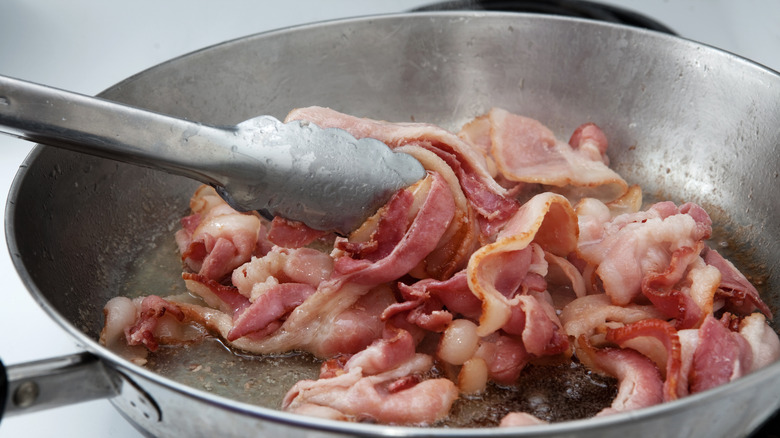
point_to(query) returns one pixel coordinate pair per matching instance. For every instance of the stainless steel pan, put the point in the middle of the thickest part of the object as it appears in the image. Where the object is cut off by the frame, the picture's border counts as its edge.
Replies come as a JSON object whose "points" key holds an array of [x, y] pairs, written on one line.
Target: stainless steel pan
{"points": [[687, 122]]}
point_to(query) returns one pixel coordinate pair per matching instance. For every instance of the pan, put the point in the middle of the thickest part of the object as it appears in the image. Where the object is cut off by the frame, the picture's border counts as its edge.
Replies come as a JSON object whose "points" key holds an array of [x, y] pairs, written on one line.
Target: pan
{"points": [[686, 121]]}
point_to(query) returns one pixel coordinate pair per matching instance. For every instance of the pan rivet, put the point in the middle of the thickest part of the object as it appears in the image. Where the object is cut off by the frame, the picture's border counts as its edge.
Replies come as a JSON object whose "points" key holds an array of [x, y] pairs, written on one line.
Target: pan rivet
{"points": [[26, 394]]}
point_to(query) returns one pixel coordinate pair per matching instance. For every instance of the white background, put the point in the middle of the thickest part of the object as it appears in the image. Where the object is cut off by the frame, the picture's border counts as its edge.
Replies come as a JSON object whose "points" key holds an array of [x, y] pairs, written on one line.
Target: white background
{"points": [[87, 46]]}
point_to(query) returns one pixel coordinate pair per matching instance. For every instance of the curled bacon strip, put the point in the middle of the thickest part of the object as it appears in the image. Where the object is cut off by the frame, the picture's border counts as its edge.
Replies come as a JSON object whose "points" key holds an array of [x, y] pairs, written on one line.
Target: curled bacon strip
{"points": [[662, 331], [548, 220], [527, 151], [394, 251], [735, 286], [639, 382]]}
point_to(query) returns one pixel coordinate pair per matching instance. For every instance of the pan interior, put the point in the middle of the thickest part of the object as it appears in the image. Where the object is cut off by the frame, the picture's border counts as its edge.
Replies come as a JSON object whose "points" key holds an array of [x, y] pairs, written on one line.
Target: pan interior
{"points": [[686, 122]]}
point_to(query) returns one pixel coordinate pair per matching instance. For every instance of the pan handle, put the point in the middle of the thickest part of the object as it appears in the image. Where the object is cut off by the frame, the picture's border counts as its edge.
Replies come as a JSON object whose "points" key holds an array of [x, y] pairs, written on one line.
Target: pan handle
{"points": [[51, 383]]}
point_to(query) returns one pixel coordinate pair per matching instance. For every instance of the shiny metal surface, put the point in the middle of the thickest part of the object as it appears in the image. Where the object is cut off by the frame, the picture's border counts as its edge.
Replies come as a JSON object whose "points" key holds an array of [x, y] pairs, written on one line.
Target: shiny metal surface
{"points": [[323, 177], [55, 382], [687, 122]]}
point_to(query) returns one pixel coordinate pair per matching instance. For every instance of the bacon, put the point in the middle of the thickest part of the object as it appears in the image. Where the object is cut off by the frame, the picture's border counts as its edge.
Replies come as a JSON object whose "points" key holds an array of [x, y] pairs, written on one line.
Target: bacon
{"points": [[384, 354], [345, 327], [763, 340], [636, 245], [472, 264], [743, 296], [477, 133], [121, 313], [516, 419], [673, 302], [540, 328], [269, 307], [590, 140], [639, 382], [663, 332], [461, 237], [226, 299], [549, 221], [721, 356], [430, 304], [389, 397], [505, 357], [397, 251], [527, 151], [588, 315], [216, 239], [157, 319], [292, 234], [282, 265]]}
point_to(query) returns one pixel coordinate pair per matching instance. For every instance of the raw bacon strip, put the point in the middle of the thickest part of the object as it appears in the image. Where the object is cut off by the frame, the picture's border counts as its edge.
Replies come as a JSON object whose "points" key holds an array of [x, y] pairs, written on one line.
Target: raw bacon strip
{"points": [[121, 313], [639, 382], [494, 207], [426, 301], [741, 293], [393, 258], [351, 325], [391, 397], [660, 289], [546, 219], [390, 229], [505, 357], [661, 331], [226, 299], [292, 234], [589, 140], [153, 310], [763, 340], [540, 329], [384, 354], [702, 286], [635, 245], [721, 356], [587, 315], [282, 265], [269, 307], [527, 151], [216, 239], [461, 237], [477, 133]]}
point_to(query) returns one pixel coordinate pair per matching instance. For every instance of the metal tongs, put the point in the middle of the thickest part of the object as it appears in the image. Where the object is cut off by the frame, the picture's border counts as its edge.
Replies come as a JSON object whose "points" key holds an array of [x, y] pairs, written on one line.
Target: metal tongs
{"points": [[324, 178]]}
